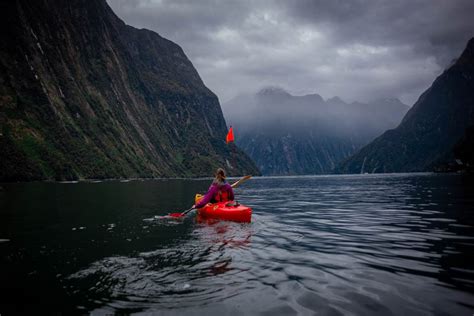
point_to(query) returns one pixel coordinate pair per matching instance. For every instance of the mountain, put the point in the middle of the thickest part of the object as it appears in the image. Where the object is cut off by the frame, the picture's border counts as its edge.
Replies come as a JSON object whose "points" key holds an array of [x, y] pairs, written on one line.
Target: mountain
{"points": [[430, 130], [287, 135], [463, 151], [83, 95]]}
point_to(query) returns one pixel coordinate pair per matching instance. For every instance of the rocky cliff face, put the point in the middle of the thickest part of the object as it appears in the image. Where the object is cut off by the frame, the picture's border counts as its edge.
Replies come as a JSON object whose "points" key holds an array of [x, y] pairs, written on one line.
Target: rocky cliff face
{"points": [[287, 134], [430, 130], [82, 95]]}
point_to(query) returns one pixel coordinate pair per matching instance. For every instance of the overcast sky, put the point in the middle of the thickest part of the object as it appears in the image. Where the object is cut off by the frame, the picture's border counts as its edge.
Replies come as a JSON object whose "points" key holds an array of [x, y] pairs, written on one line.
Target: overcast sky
{"points": [[358, 50]]}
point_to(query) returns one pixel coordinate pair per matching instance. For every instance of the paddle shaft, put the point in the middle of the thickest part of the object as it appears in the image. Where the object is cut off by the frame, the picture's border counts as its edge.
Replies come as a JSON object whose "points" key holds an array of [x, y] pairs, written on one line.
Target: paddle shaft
{"points": [[240, 181], [187, 211]]}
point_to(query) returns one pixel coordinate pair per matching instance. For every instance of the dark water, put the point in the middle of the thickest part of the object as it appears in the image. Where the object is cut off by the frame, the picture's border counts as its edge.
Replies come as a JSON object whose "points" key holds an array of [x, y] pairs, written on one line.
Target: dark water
{"points": [[331, 245]]}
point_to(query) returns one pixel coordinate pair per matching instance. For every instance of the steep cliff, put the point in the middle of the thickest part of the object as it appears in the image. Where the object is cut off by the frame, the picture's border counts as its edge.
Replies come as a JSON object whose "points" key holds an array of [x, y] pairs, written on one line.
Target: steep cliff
{"points": [[82, 95], [430, 130], [287, 135]]}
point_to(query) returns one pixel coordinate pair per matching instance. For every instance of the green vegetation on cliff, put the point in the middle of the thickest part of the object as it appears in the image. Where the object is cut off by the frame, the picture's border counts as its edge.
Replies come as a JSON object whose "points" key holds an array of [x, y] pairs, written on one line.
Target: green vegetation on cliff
{"points": [[82, 95]]}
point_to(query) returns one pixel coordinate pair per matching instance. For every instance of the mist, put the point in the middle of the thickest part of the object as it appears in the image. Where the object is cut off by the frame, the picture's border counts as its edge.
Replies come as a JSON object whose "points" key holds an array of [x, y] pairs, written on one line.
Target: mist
{"points": [[274, 110]]}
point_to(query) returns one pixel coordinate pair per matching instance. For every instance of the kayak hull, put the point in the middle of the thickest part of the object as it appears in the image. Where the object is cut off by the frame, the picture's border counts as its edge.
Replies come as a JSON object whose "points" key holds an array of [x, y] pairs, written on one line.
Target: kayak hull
{"points": [[227, 212]]}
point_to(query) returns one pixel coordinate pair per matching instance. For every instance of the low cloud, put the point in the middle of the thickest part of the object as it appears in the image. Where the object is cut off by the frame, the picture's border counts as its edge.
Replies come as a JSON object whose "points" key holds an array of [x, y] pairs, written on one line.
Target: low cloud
{"points": [[358, 50]]}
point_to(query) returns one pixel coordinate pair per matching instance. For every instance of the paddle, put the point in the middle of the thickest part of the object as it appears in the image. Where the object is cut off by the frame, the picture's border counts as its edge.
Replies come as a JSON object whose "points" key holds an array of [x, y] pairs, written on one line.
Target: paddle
{"points": [[241, 180], [233, 185], [183, 213]]}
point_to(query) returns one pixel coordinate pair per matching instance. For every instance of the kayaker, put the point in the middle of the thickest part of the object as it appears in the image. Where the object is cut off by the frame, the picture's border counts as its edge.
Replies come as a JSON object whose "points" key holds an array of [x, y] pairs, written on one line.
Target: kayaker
{"points": [[219, 191]]}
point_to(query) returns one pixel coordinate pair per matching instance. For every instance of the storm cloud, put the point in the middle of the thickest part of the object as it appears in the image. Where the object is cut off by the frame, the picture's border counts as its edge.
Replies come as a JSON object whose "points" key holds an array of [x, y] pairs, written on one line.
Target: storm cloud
{"points": [[358, 50]]}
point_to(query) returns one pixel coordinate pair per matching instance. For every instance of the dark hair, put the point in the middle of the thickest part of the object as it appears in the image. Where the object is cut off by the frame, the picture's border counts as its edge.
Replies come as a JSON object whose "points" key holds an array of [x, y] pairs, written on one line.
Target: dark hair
{"points": [[220, 176]]}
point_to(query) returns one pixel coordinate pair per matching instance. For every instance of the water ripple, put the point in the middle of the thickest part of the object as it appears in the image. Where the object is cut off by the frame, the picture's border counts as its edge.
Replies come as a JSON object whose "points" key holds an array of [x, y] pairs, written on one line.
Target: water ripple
{"points": [[341, 245]]}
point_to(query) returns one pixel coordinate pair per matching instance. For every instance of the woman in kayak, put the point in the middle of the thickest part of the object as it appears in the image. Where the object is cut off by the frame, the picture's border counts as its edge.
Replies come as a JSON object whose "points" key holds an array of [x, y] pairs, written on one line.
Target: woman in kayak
{"points": [[219, 191]]}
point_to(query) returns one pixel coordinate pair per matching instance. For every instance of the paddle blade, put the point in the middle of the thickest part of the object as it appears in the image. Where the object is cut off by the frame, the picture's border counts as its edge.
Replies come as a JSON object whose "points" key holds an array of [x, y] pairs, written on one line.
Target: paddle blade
{"points": [[176, 215]]}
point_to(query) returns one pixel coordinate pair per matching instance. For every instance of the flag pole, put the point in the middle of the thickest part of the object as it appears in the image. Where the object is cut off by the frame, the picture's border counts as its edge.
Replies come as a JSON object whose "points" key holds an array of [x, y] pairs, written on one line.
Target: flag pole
{"points": [[233, 152], [230, 139]]}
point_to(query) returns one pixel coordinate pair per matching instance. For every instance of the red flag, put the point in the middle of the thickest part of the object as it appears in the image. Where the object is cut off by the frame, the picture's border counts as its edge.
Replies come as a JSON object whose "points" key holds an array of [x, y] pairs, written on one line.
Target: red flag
{"points": [[230, 136]]}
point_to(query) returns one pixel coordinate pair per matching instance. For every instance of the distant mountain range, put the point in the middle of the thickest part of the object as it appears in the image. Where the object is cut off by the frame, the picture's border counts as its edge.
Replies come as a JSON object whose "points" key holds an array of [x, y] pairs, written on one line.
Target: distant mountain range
{"points": [[83, 95], [286, 134], [436, 131]]}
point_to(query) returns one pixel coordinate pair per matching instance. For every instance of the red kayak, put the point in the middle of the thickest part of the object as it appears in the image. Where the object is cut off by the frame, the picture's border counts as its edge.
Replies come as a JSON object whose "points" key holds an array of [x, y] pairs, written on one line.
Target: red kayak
{"points": [[227, 211]]}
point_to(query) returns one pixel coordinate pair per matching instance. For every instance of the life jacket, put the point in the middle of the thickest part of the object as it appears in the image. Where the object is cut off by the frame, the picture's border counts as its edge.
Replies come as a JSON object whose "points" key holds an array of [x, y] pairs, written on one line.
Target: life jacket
{"points": [[221, 196]]}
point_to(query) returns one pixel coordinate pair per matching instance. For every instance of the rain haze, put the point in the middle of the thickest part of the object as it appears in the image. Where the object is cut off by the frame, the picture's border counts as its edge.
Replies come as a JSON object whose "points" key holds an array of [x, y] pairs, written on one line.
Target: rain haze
{"points": [[357, 50]]}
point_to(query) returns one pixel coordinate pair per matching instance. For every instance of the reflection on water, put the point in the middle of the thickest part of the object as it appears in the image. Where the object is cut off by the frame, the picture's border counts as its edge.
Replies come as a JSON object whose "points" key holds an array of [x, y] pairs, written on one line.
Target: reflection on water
{"points": [[335, 245], [185, 272]]}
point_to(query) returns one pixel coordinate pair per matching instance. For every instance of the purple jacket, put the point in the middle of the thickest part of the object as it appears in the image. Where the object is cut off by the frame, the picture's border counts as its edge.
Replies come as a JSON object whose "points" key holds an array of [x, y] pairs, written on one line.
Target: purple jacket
{"points": [[213, 191]]}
